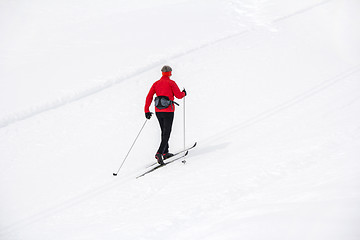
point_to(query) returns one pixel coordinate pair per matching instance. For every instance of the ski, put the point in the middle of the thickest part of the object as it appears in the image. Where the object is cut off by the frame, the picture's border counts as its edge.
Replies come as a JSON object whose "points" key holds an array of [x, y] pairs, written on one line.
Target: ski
{"points": [[175, 154], [170, 160]]}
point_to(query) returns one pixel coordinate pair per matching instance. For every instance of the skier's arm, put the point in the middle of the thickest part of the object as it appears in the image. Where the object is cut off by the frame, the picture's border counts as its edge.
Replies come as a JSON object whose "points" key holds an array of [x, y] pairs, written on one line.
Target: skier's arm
{"points": [[177, 93], [149, 99]]}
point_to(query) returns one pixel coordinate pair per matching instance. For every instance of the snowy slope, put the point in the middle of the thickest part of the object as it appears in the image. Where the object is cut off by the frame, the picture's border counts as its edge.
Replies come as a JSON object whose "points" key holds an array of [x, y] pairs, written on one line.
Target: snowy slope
{"points": [[274, 99]]}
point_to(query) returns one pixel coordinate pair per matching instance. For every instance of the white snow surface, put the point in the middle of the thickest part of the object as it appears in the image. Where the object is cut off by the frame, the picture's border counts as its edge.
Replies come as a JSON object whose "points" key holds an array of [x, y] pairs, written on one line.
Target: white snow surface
{"points": [[273, 102]]}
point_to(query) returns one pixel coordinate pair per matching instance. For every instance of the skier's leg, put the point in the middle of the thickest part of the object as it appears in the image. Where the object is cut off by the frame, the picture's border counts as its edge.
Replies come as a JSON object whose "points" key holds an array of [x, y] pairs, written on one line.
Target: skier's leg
{"points": [[166, 121], [161, 123], [167, 130]]}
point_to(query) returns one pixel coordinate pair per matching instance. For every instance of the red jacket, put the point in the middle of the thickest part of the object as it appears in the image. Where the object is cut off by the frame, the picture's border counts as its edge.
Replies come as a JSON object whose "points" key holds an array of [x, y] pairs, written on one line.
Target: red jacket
{"points": [[164, 87]]}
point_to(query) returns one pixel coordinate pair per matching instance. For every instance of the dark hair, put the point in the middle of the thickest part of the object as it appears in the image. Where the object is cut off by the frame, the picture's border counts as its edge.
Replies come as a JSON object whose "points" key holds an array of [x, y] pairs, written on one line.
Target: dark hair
{"points": [[166, 68]]}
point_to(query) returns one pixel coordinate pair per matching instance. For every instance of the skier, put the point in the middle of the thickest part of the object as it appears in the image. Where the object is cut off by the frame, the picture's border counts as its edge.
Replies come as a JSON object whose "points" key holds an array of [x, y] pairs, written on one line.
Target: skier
{"points": [[165, 90]]}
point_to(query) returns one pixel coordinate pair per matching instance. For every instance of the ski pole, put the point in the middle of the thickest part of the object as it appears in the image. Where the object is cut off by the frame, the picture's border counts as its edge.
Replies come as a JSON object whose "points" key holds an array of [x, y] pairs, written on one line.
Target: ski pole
{"points": [[115, 174], [184, 161]]}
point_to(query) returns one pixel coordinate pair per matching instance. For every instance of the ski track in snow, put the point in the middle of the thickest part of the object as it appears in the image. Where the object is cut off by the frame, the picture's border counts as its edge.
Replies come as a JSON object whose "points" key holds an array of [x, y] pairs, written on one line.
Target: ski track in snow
{"points": [[108, 84], [290, 103], [302, 11], [63, 206]]}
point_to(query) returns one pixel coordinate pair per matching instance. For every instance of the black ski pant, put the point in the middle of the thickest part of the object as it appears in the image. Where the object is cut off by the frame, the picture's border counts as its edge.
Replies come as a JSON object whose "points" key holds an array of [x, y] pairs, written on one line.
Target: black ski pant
{"points": [[165, 120]]}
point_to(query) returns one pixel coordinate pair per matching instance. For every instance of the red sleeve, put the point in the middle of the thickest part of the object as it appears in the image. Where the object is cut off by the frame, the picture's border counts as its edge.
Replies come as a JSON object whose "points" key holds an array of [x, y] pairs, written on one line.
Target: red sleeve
{"points": [[177, 93], [149, 98]]}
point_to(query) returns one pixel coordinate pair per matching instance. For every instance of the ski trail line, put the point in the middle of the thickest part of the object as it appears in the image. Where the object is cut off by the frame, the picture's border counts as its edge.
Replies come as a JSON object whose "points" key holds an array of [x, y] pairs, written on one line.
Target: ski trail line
{"points": [[64, 205], [287, 104], [34, 111]]}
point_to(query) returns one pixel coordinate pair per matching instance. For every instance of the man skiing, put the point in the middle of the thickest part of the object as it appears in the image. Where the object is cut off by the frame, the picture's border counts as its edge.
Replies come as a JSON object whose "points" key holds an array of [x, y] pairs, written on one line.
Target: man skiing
{"points": [[165, 90]]}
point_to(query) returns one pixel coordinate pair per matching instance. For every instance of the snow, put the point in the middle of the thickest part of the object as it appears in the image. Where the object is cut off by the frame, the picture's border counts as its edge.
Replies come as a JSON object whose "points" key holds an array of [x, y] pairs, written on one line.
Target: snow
{"points": [[273, 102]]}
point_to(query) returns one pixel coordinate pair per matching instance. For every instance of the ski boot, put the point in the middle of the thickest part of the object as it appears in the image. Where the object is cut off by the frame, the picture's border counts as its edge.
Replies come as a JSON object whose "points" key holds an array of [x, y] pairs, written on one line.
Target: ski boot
{"points": [[159, 159], [167, 155]]}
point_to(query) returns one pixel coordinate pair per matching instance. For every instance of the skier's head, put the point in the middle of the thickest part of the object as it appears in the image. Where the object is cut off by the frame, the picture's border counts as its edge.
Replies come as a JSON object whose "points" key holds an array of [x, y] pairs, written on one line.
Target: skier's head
{"points": [[166, 70]]}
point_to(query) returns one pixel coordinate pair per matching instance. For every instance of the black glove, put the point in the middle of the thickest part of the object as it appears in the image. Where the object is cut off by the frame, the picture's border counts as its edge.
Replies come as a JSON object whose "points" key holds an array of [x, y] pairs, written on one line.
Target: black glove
{"points": [[148, 115], [184, 91]]}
